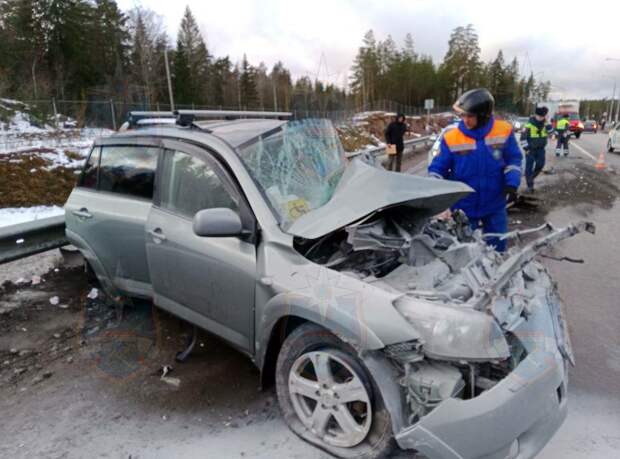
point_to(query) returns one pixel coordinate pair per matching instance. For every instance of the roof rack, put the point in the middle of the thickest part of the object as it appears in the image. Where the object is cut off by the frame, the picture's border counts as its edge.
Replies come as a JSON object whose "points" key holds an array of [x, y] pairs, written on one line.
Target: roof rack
{"points": [[187, 117], [135, 117]]}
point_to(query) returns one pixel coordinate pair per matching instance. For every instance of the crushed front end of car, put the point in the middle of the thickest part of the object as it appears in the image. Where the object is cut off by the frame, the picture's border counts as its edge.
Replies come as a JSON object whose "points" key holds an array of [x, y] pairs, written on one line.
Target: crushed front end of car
{"points": [[487, 377]]}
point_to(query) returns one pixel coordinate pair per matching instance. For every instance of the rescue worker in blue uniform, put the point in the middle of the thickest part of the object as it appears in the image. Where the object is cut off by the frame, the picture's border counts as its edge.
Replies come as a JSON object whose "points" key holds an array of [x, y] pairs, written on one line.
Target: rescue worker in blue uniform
{"points": [[483, 153], [534, 141]]}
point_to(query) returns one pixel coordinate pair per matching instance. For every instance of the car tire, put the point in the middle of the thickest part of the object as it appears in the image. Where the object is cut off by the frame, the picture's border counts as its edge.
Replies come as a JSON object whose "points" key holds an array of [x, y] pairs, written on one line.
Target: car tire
{"points": [[307, 344], [610, 148], [577, 135]]}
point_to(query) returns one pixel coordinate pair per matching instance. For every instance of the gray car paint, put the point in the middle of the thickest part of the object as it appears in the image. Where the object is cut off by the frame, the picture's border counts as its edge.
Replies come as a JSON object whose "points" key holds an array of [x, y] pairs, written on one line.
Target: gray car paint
{"points": [[364, 189], [364, 315]]}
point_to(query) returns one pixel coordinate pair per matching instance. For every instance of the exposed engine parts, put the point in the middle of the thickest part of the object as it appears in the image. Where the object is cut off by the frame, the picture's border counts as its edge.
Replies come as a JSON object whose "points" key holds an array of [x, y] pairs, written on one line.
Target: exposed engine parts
{"points": [[454, 289], [428, 384]]}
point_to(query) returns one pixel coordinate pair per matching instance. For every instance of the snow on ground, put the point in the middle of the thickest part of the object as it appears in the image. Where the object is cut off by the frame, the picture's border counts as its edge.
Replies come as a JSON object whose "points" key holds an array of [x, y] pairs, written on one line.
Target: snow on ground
{"points": [[15, 215]]}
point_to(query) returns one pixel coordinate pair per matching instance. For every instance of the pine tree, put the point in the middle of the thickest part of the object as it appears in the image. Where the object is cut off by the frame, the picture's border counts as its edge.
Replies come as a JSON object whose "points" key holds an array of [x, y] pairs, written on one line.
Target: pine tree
{"points": [[461, 65], [365, 70], [247, 84], [191, 64], [283, 86]]}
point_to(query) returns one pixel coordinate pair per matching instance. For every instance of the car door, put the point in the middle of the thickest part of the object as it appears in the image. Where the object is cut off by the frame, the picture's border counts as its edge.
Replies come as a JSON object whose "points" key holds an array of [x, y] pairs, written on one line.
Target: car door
{"points": [[616, 137], [107, 211], [208, 281]]}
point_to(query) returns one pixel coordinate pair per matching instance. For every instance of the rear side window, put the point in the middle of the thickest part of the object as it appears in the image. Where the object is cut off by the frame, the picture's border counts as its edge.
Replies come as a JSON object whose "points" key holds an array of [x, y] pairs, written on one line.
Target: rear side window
{"points": [[191, 184], [128, 170], [88, 178]]}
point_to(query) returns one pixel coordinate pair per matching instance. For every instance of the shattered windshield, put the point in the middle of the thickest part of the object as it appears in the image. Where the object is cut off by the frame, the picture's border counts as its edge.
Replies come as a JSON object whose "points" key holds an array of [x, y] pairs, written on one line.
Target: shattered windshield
{"points": [[298, 167]]}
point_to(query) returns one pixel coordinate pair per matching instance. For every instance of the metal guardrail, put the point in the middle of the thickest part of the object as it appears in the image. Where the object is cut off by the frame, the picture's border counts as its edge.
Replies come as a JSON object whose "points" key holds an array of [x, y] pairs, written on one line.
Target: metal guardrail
{"points": [[378, 151], [25, 239]]}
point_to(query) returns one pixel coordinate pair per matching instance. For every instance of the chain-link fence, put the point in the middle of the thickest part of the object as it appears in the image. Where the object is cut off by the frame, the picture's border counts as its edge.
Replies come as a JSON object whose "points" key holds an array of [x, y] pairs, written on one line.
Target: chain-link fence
{"points": [[111, 114]]}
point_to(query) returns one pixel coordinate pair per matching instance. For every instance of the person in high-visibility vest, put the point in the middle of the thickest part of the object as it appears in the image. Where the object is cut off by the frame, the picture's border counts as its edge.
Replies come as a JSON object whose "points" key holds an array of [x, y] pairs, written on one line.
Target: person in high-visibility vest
{"points": [[563, 132], [534, 140]]}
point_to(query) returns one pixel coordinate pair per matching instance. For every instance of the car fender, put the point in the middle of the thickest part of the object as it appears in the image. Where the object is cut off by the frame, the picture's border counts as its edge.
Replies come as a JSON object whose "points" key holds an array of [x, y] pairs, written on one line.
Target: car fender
{"points": [[93, 260]]}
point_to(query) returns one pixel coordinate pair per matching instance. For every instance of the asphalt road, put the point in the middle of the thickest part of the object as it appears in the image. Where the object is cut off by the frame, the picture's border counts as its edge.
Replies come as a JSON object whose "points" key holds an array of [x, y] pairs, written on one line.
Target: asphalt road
{"points": [[217, 411], [590, 292]]}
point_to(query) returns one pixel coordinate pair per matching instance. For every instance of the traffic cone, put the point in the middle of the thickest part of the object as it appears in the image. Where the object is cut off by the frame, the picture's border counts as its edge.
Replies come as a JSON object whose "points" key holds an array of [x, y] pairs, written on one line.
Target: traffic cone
{"points": [[600, 164]]}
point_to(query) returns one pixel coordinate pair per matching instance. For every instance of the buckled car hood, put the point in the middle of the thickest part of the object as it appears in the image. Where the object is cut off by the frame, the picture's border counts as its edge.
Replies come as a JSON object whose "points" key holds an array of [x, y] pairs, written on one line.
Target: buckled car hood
{"points": [[365, 189]]}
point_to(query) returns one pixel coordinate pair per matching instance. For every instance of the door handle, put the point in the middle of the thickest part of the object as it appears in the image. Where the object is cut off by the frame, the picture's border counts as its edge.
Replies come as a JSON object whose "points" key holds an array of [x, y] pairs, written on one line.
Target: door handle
{"points": [[157, 234], [82, 213]]}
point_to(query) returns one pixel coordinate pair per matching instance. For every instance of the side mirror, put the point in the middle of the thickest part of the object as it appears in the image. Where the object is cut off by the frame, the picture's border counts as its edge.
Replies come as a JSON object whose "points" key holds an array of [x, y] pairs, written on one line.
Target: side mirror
{"points": [[218, 222]]}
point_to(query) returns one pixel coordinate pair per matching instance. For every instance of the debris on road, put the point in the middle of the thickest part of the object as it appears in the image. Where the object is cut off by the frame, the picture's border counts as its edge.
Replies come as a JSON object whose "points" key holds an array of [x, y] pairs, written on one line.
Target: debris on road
{"points": [[54, 301], [42, 377], [175, 382], [93, 294]]}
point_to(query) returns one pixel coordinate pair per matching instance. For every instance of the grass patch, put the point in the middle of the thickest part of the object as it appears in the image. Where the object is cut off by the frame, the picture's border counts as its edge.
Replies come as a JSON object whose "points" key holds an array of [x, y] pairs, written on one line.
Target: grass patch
{"points": [[24, 182]]}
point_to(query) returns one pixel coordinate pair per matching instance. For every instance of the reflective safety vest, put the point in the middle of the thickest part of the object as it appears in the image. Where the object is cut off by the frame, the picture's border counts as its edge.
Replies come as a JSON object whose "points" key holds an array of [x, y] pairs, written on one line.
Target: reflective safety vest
{"points": [[534, 137], [562, 124], [535, 132]]}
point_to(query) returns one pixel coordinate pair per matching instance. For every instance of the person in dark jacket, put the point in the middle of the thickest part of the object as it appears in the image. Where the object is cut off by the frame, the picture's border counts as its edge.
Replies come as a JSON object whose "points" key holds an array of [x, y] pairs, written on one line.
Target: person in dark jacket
{"points": [[483, 153], [534, 140], [394, 135]]}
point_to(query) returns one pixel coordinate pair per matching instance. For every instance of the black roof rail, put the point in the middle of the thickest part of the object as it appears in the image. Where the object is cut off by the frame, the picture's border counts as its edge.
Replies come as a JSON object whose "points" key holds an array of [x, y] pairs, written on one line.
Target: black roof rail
{"points": [[187, 117]]}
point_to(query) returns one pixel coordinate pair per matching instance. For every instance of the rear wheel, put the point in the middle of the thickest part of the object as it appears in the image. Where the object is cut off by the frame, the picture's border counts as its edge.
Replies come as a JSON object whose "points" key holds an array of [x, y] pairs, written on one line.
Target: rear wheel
{"points": [[610, 147], [577, 135], [328, 398]]}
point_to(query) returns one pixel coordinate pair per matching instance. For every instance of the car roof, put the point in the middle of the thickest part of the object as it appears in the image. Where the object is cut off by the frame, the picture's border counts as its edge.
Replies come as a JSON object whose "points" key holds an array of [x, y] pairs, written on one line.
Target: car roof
{"points": [[236, 133], [239, 132]]}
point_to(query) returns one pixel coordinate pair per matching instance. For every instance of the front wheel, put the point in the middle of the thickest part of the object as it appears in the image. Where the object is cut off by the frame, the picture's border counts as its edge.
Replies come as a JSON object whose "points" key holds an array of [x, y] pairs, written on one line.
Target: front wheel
{"points": [[610, 148], [577, 135], [328, 398]]}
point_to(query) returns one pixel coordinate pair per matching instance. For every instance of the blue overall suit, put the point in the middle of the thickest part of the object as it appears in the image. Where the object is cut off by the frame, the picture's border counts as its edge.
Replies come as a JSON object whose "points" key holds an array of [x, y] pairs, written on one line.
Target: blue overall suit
{"points": [[488, 159]]}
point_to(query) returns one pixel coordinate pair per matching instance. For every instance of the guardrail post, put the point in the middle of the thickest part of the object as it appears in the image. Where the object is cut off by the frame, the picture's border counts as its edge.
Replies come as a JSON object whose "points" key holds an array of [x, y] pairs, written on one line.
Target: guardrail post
{"points": [[113, 114], [55, 112]]}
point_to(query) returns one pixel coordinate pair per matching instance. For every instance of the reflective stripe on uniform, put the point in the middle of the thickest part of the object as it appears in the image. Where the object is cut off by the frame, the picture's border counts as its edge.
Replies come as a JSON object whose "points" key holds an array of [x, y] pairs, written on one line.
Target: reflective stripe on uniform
{"points": [[457, 142], [435, 175], [512, 168], [462, 147], [499, 140]]}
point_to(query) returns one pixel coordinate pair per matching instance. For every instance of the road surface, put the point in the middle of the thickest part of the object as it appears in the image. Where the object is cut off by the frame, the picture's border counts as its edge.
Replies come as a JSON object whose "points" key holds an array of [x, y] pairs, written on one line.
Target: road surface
{"points": [[100, 401]]}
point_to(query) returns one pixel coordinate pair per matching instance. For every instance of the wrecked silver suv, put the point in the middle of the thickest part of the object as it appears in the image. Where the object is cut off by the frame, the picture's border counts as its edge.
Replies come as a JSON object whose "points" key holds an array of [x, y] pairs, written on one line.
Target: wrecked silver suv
{"points": [[382, 327]]}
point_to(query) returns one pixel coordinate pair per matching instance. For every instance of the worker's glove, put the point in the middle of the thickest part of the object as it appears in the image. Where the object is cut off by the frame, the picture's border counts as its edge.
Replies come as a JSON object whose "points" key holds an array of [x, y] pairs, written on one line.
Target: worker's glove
{"points": [[511, 193]]}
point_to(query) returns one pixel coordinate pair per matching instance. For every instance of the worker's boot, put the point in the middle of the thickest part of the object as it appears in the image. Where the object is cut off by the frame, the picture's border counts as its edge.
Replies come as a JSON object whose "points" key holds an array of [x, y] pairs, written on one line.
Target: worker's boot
{"points": [[558, 151]]}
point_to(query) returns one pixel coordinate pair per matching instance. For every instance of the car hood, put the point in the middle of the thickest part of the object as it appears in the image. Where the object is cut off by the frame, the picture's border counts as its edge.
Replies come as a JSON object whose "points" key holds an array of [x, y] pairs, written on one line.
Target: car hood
{"points": [[365, 189]]}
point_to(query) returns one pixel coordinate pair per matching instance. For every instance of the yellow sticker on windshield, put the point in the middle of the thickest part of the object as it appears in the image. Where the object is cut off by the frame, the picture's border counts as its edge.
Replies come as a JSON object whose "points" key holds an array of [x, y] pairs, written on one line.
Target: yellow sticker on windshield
{"points": [[297, 207]]}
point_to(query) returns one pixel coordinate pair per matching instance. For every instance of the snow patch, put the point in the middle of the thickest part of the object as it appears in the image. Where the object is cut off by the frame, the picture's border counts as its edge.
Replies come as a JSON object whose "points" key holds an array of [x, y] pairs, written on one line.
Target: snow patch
{"points": [[15, 215]]}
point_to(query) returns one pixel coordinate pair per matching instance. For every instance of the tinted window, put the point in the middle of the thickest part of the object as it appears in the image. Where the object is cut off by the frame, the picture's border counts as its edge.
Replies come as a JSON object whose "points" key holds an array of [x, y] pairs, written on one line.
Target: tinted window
{"points": [[128, 170], [191, 184], [89, 174]]}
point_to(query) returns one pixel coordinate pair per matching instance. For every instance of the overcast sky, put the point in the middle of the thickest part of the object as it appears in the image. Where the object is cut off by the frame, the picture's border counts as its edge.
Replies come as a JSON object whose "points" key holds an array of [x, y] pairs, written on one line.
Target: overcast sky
{"points": [[565, 44]]}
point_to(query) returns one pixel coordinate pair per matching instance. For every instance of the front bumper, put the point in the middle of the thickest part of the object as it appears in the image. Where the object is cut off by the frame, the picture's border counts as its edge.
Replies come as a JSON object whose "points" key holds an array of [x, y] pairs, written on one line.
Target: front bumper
{"points": [[518, 416], [513, 420]]}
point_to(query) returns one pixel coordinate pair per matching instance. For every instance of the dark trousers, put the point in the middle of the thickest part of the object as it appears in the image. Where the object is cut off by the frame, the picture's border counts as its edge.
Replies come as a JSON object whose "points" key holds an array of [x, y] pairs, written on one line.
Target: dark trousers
{"points": [[562, 143], [496, 223], [395, 161], [534, 163]]}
